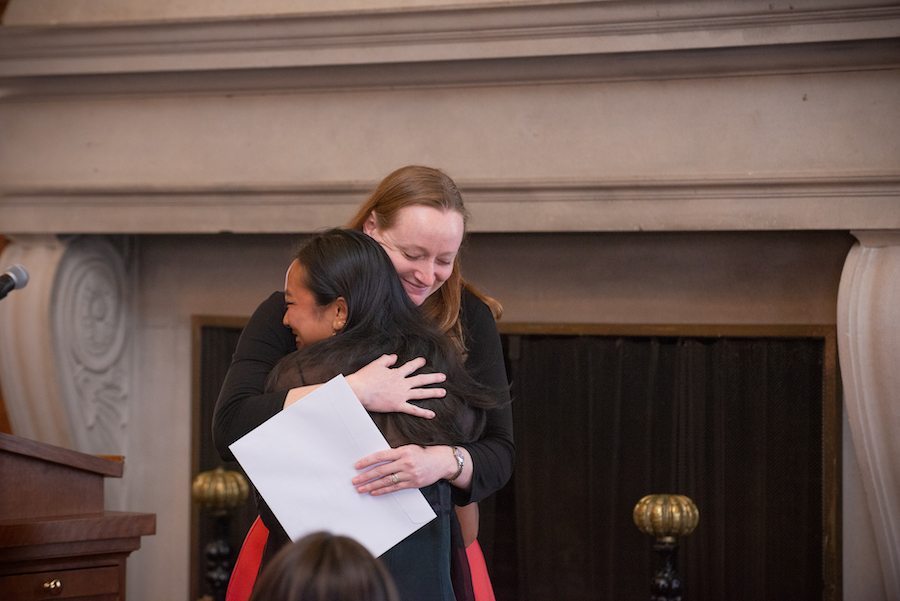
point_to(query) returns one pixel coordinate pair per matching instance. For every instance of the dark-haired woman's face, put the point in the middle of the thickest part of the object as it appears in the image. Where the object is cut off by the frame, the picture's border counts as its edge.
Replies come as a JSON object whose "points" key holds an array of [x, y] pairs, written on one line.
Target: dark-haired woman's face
{"points": [[308, 321], [422, 245]]}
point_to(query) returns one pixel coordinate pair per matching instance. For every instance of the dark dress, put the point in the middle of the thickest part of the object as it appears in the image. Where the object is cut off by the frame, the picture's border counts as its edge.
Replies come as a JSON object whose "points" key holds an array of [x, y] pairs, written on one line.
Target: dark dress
{"points": [[419, 563]]}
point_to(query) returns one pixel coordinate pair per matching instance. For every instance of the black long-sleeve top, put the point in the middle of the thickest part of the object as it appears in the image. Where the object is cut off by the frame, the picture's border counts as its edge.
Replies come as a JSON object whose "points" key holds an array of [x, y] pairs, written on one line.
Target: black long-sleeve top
{"points": [[243, 403]]}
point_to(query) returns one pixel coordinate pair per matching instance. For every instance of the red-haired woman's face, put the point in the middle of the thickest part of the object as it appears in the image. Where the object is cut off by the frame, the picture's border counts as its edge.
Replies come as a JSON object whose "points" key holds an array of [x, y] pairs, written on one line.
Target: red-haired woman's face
{"points": [[422, 245]]}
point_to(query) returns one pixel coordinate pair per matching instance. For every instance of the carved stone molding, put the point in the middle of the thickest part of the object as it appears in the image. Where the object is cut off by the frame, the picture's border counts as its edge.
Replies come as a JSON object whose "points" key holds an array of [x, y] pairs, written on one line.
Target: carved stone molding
{"points": [[64, 351], [814, 57], [866, 201], [463, 32], [500, 44], [869, 347]]}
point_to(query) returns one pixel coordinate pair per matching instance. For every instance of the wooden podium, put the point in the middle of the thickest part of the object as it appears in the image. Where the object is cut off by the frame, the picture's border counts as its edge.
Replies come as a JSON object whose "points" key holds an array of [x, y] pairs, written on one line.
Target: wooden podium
{"points": [[56, 541]]}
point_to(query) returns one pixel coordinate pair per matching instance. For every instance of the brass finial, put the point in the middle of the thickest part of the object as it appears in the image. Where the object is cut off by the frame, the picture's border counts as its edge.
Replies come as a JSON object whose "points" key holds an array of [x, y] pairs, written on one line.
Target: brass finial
{"points": [[220, 491], [666, 517]]}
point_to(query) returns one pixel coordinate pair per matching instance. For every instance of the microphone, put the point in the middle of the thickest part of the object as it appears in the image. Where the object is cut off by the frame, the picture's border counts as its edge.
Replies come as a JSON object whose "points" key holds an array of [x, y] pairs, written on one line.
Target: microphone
{"points": [[15, 277]]}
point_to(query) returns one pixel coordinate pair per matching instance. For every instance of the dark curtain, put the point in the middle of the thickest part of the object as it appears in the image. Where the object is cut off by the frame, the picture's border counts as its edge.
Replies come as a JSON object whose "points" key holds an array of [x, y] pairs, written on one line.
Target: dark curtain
{"points": [[217, 345], [733, 423]]}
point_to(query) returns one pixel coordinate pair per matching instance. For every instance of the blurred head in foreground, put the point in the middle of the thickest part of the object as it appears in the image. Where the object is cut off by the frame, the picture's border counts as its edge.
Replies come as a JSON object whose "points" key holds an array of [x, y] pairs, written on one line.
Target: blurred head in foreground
{"points": [[324, 567]]}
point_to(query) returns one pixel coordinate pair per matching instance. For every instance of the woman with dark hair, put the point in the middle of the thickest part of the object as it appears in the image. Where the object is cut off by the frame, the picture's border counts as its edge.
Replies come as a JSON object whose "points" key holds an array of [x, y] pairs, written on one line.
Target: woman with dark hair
{"points": [[349, 272], [347, 307], [416, 214], [324, 567]]}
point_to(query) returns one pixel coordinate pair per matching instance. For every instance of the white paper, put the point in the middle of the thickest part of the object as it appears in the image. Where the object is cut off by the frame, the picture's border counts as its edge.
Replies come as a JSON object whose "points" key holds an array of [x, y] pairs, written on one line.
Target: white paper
{"points": [[301, 462]]}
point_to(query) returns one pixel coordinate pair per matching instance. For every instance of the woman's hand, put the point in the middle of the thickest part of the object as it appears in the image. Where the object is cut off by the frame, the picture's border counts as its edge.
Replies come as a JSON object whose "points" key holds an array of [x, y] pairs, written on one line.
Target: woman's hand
{"points": [[383, 389], [410, 466]]}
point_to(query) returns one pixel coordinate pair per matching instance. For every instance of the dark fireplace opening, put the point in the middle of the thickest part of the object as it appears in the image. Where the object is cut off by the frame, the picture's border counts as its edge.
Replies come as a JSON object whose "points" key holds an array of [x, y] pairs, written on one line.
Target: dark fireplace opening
{"points": [[734, 423], [746, 424], [214, 341]]}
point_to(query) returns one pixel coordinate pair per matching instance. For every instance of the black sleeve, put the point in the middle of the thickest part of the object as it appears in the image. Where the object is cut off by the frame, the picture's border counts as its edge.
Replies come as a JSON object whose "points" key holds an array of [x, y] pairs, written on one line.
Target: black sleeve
{"points": [[493, 455], [243, 403]]}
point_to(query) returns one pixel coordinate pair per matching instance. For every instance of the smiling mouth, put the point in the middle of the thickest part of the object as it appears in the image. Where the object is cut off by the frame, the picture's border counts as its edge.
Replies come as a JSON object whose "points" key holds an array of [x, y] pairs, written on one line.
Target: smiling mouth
{"points": [[416, 287]]}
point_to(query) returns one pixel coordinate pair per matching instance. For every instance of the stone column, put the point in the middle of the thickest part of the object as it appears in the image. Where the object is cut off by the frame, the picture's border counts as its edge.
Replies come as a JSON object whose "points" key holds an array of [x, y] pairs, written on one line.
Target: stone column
{"points": [[27, 368], [868, 325]]}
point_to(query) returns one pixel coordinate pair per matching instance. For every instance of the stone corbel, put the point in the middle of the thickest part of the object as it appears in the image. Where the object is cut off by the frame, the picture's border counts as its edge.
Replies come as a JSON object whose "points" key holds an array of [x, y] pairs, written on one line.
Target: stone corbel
{"points": [[869, 346], [65, 358]]}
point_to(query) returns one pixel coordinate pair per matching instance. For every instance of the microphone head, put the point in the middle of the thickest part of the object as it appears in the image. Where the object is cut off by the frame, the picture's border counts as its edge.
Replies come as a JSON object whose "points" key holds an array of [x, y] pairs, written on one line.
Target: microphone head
{"points": [[19, 275]]}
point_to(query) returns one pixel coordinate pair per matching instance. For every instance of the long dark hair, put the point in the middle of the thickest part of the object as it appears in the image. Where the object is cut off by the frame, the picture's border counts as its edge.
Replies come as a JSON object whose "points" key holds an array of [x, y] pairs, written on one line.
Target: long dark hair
{"points": [[381, 319]]}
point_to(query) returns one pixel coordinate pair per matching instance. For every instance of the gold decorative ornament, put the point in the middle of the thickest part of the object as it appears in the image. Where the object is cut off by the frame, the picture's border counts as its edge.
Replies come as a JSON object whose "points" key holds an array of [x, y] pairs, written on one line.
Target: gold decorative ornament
{"points": [[220, 491], [666, 517]]}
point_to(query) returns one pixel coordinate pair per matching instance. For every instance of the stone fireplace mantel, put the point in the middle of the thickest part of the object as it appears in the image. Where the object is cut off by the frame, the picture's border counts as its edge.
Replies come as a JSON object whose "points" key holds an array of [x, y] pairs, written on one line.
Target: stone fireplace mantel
{"points": [[526, 79], [687, 161]]}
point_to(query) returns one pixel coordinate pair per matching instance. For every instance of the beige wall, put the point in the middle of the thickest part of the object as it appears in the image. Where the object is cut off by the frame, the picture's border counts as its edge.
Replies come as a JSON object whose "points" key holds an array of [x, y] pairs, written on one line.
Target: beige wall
{"points": [[662, 278]]}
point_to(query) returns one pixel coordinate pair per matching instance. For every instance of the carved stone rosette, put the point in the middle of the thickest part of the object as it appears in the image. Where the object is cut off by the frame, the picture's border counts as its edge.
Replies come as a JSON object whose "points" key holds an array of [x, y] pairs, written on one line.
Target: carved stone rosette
{"points": [[91, 322]]}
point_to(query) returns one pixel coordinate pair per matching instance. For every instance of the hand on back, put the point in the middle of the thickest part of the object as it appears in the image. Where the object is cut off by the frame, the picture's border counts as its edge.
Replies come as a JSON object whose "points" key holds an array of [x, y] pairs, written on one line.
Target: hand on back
{"points": [[382, 388]]}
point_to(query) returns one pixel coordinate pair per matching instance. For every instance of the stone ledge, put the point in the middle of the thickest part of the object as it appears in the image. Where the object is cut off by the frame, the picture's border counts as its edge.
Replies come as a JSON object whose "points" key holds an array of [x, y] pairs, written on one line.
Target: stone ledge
{"points": [[854, 55], [465, 33], [857, 202]]}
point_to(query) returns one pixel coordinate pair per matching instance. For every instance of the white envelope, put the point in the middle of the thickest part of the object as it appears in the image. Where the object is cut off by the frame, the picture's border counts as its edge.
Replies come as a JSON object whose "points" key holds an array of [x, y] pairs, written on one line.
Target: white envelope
{"points": [[301, 462]]}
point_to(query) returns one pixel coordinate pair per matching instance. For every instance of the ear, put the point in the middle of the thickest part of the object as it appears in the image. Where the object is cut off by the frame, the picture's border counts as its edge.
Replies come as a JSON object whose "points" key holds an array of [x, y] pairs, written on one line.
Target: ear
{"points": [[339, 318], [370, 224]]}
